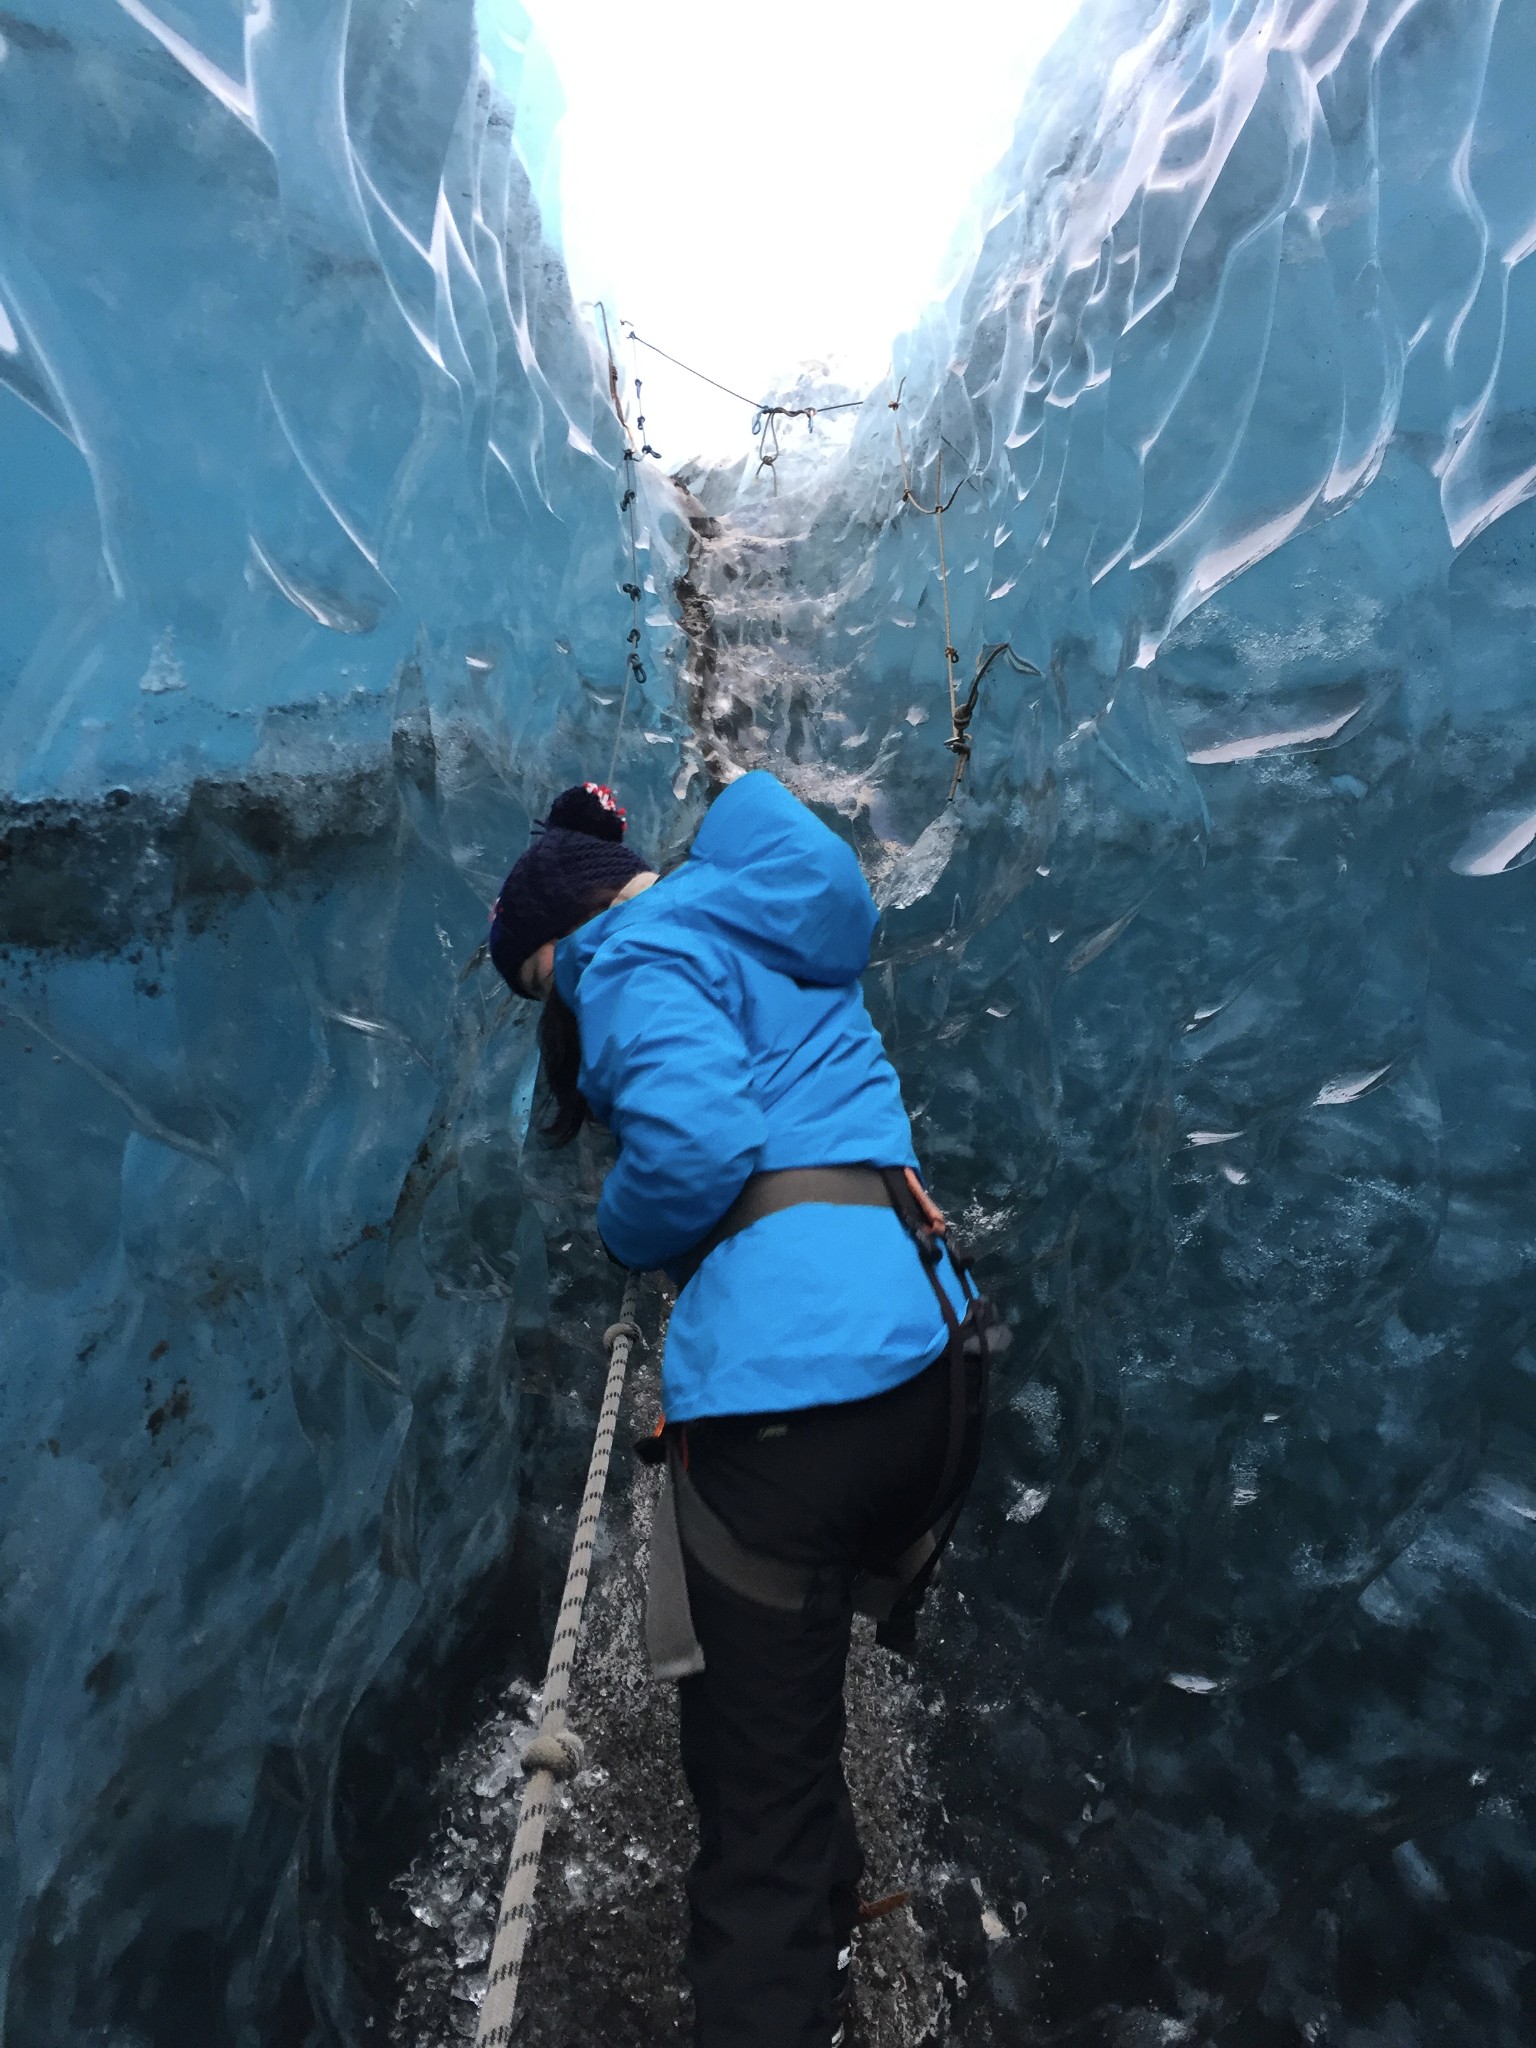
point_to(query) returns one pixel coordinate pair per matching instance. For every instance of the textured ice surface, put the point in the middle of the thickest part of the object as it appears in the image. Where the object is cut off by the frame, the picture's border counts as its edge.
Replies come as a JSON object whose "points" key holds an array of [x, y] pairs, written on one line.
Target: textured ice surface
{"points": [[300, 378], [1213, 992], [311, 550]]}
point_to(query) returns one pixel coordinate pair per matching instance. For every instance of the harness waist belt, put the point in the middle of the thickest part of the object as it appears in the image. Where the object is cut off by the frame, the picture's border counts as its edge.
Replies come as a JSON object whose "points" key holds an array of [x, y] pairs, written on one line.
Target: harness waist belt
{"points": [[890, 1589], [765, 1194]]}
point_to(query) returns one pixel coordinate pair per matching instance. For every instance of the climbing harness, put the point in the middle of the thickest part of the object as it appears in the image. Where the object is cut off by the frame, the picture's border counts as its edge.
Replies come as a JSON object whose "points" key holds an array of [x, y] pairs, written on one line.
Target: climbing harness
{"points": [[765, 417], [891, 1589], [960, 713], [556, 1751]]}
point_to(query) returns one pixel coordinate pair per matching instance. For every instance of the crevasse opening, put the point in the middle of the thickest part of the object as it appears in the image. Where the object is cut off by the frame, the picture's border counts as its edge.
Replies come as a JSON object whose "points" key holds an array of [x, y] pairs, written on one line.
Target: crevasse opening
{"points": [[1210, 987]]}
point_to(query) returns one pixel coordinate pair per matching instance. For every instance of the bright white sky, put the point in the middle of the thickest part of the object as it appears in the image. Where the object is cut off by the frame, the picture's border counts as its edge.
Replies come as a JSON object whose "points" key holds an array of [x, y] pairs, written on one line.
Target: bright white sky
{"points": [[757, 183]]}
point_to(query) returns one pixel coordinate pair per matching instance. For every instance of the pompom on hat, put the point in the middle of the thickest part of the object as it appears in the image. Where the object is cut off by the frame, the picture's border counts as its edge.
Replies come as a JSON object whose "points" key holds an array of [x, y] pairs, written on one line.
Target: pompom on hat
{"points": [[576, 861]]}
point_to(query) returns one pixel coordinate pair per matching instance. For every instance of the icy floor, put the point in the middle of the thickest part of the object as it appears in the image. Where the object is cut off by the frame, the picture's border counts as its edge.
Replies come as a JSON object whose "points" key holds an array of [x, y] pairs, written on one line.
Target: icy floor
{"points": [[603, 1962]]}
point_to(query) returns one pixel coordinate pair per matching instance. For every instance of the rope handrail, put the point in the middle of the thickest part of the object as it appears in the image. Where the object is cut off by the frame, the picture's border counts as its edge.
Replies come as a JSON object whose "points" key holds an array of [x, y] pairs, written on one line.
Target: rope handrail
{"points": [[556, 1751]]}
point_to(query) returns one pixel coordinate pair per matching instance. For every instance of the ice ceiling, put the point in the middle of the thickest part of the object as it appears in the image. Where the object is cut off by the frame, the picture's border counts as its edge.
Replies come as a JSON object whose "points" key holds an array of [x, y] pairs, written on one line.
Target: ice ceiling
{"points": [[1213, 990]]}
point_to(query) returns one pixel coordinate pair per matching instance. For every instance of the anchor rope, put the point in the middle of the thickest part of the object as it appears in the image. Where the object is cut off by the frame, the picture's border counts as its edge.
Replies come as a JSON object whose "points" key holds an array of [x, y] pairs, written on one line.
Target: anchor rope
{"points": [[634, 667], [765, 419], [556, 1750], [961, 713], [765, 416]]}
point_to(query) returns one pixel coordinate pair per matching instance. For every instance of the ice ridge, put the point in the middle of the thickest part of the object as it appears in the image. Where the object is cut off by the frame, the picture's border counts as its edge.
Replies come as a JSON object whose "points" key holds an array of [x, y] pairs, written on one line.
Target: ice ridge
{"points": [[312, 552], [1207, 990]]}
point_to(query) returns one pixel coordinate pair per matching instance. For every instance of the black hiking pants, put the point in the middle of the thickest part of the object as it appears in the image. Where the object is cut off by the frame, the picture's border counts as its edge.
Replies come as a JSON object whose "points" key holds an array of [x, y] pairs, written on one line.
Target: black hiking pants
{"points": [[773, 1891]]}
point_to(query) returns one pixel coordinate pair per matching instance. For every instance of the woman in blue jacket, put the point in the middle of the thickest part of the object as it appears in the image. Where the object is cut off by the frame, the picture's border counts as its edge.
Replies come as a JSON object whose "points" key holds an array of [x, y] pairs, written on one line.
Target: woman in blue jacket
{"points": [[714, 1022]]}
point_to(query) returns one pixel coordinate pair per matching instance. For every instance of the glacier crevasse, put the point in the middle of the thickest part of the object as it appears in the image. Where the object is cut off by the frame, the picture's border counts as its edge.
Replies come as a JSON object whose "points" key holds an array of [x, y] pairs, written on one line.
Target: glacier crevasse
{"points": [[1211, 991]]}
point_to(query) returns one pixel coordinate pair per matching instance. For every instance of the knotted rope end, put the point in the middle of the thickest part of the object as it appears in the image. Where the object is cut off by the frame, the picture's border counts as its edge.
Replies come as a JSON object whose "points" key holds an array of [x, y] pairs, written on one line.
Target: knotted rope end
{"points": [[560, 1751]]}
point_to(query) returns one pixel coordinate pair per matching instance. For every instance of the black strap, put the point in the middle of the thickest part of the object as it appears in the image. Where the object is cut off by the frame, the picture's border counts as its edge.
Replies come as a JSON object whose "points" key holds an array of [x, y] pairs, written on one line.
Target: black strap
{"points": [[769, 1581], [928, 1241], [766, 1194], [968, 1353], [898, 1630]]}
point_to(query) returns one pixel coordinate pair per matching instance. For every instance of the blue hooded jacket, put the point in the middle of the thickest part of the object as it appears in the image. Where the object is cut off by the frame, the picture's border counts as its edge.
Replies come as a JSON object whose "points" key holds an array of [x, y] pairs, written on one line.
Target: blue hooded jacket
{"points": [[724, 1033]]}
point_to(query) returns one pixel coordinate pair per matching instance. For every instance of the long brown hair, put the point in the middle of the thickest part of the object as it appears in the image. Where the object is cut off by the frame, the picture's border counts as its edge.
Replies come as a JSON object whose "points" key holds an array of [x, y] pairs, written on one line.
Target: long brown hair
{"points": [[560, 1050]]}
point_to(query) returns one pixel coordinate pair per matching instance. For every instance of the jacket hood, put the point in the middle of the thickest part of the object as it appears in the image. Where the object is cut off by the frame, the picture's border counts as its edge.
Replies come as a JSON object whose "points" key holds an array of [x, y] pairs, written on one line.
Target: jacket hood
{"points": [[765, 873]]}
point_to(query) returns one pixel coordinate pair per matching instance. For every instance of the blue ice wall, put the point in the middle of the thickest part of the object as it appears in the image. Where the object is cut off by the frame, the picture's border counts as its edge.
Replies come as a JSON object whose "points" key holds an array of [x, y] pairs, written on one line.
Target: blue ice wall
{"points": [[1215, 990], [298, 372], [311, 546]]}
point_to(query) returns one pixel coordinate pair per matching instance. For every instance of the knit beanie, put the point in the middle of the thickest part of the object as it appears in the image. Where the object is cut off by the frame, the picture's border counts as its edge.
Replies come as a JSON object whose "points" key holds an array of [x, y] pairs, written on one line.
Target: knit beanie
{"points": [[577, 856]]}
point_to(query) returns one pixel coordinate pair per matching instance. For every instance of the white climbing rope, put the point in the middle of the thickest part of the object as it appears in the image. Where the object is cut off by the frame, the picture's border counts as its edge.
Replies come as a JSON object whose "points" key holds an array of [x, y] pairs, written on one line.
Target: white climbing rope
{"points": [[555, 1751]]}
